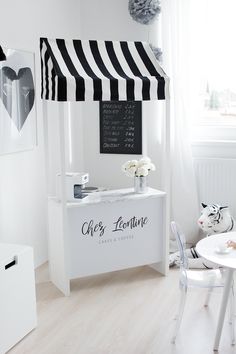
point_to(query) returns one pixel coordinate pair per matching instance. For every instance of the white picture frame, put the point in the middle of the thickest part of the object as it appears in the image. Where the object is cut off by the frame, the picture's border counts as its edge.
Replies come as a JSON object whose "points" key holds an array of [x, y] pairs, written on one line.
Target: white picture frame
{"points": [[18, 122]]}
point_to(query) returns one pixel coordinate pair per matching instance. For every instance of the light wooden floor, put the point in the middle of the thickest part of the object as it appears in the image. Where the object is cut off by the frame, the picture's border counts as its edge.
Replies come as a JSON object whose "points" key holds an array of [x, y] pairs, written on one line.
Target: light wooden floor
{"points": [[126, 312]]}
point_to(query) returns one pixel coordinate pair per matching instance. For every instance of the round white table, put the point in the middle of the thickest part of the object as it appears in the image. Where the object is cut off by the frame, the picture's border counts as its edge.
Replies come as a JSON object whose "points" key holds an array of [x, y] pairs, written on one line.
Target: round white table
{"points": [[207, 248]]}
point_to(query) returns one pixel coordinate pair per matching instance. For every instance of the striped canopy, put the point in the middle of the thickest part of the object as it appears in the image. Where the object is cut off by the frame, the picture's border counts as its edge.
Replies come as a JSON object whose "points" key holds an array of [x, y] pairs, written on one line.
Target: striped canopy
{"points": [[85, 70]]}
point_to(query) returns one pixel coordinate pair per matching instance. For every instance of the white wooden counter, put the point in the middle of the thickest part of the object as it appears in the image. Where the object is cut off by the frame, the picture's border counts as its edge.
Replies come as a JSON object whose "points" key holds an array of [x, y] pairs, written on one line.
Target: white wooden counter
{"points": [[107, 231]]}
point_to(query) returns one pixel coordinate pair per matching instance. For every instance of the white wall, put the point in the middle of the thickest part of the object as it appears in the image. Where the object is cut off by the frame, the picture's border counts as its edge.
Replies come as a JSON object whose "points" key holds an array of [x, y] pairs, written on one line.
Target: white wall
{"points": [[215, 167], [22, 177]]}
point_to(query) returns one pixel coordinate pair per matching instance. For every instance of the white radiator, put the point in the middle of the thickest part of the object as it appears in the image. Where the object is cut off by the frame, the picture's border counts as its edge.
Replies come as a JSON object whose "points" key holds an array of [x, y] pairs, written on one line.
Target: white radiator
{"points": [[216, 181]]}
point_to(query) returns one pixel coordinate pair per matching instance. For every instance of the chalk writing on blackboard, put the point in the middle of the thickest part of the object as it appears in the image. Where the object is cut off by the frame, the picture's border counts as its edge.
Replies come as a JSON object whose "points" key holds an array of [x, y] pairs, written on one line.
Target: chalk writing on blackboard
{"points": [[121, 127]]}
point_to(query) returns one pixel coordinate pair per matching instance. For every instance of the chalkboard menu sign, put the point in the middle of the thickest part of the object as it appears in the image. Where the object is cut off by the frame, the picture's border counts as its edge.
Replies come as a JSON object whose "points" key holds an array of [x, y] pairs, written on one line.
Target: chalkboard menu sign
{"points": [[121, 127]]}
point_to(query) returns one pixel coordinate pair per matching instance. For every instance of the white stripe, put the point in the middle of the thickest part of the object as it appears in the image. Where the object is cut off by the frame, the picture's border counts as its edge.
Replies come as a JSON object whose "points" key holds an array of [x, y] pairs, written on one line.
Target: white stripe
{"points": [[44, 49], [89, 91], [50, 66], [56, 88], [153, 88], [112, 71], [138, 84], [71, 83], [143, 70], [106, 92]]}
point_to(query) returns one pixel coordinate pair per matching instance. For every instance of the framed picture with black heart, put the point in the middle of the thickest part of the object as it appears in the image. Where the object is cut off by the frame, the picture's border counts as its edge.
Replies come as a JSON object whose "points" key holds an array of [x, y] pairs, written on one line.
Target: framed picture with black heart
{"points": [[18, 125]]}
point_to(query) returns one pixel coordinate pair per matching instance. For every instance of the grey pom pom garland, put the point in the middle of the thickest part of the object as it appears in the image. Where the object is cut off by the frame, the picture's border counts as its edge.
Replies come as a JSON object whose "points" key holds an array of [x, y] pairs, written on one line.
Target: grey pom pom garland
{"points": [[144, 11]]}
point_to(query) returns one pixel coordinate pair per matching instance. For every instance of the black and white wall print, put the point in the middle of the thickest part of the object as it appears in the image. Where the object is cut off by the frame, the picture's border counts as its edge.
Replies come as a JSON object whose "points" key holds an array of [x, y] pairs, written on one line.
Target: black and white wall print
{"points": [[17, 102]]}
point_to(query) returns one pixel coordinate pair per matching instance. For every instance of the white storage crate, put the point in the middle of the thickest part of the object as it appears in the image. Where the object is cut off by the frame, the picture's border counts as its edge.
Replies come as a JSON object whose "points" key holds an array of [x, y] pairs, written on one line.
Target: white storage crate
{"points": [[17, 294]]}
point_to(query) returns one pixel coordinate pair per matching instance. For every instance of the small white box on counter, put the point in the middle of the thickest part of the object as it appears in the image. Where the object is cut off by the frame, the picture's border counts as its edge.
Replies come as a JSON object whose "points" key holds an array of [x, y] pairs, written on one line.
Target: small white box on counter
{"points": [[74, 184]]}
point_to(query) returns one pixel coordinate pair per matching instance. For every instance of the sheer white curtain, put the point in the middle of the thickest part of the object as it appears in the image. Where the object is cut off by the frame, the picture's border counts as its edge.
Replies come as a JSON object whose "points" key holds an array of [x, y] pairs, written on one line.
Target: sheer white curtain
{"points": [[176, 39]]}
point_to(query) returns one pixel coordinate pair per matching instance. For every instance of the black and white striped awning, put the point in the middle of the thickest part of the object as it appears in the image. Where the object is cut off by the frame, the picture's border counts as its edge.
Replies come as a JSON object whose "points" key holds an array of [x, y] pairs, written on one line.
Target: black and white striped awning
{"points": [[83, 70]]}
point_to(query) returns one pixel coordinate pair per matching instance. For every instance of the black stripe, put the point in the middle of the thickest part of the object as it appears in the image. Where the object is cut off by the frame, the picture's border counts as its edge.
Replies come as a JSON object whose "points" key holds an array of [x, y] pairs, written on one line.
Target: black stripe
{"points": [[46, 57], [218, 219], [151, 69], [62, 84], [206, 266], [135, 70], [146, 60], [97, 82], [102, 67], [53, 84], [193, 254], [120, 71], [196, 254], [232, 224], [80, 85]]}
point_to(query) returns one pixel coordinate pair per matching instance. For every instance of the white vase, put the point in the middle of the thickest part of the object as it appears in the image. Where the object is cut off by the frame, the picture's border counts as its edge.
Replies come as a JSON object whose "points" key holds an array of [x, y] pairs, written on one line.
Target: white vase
{"points": [[140, 184]]}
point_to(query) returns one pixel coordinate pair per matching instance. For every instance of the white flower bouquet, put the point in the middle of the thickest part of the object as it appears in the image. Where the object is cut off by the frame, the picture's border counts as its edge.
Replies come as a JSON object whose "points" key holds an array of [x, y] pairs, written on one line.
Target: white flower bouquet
{"points": [[138, 168]]}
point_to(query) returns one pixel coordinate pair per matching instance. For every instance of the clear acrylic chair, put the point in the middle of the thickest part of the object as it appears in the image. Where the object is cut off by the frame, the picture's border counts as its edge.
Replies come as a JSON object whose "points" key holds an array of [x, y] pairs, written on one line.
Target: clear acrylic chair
{"points": [[205, 278]]}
